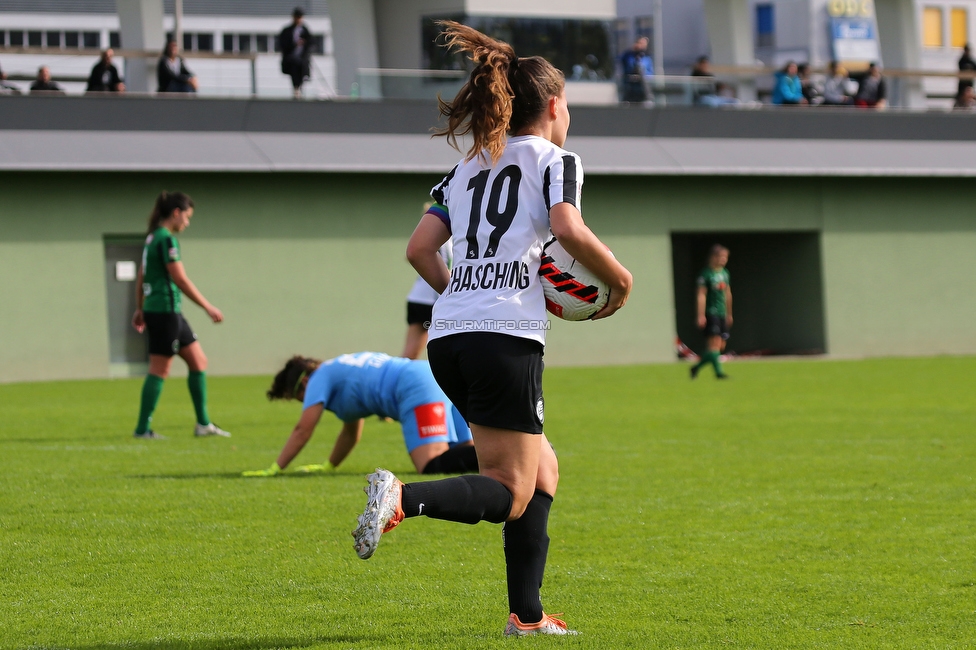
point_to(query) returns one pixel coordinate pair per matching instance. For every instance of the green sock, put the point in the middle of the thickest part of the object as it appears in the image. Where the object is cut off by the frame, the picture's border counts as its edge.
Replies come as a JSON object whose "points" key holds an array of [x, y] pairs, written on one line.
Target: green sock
{"points": [[151, 390], [716, 362], [197, 381]]}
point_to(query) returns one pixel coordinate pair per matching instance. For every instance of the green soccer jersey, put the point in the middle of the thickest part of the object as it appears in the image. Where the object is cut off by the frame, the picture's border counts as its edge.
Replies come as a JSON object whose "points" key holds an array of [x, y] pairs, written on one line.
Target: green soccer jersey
{"points": [[716, 283], [161, 293]]}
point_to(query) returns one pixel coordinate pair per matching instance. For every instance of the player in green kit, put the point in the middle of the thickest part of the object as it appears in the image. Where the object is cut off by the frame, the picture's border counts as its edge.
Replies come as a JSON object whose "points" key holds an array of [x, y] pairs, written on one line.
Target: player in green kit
{"points": [[160, 286], [714, 309]]}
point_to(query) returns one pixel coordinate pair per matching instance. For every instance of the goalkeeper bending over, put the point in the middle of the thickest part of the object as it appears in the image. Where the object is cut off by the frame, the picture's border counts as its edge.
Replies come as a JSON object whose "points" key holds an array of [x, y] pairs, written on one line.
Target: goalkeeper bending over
{"points": [[356, 386]]}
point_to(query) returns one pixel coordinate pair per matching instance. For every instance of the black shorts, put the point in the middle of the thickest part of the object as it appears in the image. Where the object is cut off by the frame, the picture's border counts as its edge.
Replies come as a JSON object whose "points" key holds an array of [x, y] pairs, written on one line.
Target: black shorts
{"points": [[494, 380], [419, 313], [716, 326], [167, 333]]}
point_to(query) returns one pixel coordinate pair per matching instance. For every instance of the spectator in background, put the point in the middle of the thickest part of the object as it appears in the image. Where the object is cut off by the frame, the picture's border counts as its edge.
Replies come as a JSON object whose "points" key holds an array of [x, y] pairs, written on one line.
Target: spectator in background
{"points": [[637, 68], [871, 92], [811, 92], [705, 87], [966, 100], [296, 51], [5, 88], [44, 85], [172, 73], [104, 77], [966, 64], [835, 88], [787, 88]]}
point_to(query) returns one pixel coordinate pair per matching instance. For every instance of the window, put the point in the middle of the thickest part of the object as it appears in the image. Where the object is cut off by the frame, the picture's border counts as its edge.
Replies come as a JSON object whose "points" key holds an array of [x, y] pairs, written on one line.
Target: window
{"points": [[262, 42], [318, 44], [16, 39], [621, 30], [958, 27], [228, 42], [54, 39], [765, 26], [644, 26], [91, 40], [188, 42], [244, 42], [205, 42], [71, 39], [932, 35], [114, 40], [580, 48], [34, 39]]}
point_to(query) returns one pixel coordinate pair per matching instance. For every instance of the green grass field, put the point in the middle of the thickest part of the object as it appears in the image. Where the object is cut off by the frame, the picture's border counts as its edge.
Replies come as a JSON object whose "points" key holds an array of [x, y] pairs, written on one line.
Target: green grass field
{"points": [[799, 505]]}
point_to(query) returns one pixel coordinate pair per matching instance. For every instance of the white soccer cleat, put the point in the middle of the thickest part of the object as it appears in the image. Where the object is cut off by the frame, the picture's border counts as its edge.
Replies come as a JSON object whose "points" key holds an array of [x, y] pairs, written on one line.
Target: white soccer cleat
{"points": [[382, 513], [204, 430], [548, 625]]}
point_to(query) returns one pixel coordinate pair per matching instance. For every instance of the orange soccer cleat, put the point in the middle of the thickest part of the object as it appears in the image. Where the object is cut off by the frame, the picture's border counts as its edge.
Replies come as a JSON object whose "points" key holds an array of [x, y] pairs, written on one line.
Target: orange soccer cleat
{"points": [[548, 625]]}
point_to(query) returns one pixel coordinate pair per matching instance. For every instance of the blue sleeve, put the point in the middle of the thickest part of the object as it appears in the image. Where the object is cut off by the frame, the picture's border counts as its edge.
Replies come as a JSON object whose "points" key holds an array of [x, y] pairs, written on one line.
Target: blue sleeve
{"points": [[792, 90], [318, 388]]}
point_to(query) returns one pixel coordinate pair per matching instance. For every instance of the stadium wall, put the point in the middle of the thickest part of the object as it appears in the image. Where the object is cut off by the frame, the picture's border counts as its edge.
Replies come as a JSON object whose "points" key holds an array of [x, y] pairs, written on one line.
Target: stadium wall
{"points": [[313, 263]]}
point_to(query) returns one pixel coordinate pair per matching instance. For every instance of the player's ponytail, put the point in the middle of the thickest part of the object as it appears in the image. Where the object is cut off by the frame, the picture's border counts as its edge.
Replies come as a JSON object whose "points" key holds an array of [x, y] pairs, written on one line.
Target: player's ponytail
{"points": [[287, 381], [504, 93], [166, 202]]}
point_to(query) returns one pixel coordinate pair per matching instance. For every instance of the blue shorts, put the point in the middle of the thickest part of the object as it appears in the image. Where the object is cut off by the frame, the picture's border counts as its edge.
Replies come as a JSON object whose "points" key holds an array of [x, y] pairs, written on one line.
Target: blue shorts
{"points": [[426, 415]]}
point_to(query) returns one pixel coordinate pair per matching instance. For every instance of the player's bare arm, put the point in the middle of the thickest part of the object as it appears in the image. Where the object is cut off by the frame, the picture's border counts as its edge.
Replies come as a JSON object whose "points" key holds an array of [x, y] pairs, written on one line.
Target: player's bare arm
{"points": [[181, 280], [728, 306], [702, 295], [138, 322], [300, 435], [348, 438], [579, 241], [422, 252]]}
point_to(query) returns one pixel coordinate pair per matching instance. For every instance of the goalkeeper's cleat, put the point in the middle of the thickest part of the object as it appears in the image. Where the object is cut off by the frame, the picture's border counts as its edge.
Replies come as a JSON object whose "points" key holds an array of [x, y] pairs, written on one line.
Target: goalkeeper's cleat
{"points": [[548, 625], [382, 514], [204, 430], [694, 371], [149, 435]]}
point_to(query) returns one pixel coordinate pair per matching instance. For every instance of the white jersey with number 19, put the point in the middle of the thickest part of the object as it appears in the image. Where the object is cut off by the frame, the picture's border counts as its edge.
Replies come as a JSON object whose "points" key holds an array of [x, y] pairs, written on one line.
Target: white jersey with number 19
{"points": [[499, 220]]}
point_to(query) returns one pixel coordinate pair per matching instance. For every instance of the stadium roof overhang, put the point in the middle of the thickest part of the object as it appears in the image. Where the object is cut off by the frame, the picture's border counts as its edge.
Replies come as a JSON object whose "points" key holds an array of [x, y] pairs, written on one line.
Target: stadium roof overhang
{"points": [[145, 134]]}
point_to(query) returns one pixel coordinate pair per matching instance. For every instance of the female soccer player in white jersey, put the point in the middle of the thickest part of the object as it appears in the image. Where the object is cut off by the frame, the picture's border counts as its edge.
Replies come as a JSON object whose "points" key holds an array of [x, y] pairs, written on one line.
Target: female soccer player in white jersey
{"points": [[498, 206]]}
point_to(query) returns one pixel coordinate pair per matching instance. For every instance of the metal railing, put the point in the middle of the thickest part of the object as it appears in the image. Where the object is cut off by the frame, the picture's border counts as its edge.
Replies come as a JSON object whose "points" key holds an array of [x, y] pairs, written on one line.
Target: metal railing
{"points": [[131, 54]]}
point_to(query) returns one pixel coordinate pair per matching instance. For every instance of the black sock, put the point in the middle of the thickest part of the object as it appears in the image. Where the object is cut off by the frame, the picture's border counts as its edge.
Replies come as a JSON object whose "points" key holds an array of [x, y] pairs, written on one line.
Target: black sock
{"points": [[457, 460], [526, 546], [465, 499]]}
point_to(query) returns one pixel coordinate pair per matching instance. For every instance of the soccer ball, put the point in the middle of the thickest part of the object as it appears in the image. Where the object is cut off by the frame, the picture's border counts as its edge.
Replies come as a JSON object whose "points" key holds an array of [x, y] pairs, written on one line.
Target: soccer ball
{"points": [[572, 291]]}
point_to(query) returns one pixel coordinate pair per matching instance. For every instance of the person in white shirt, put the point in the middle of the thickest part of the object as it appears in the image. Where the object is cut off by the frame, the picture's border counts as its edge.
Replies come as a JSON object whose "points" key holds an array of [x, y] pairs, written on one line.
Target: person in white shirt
{"points": [[420, 306], [498, 206]]}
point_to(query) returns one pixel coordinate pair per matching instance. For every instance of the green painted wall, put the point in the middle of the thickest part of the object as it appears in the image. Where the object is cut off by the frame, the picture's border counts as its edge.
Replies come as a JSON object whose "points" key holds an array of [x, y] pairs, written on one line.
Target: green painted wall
{"points": [[313, 263]]}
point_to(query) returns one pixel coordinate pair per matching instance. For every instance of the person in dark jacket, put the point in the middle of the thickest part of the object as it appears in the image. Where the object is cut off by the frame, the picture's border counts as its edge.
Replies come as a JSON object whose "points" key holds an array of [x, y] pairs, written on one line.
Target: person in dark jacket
{"points": [[871, 91], [295, 42], [104, 77], [966, 64], [637, 68], [43, 85], [172, 73]]}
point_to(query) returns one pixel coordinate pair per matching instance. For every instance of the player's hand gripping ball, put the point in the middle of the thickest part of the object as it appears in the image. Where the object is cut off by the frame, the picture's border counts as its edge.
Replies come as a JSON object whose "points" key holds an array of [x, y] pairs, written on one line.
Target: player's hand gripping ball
{"points": [[572, 291]]}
